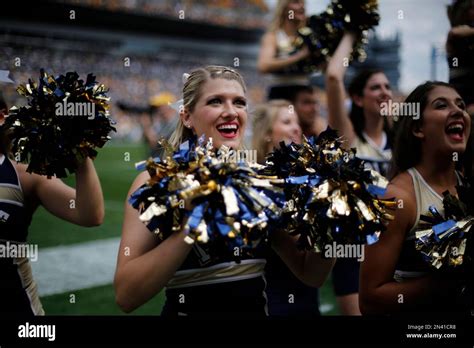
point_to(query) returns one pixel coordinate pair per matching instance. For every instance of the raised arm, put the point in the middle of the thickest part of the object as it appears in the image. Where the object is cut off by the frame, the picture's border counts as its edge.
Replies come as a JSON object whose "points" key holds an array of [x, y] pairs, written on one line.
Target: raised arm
{"points": [[143, 267], [267, 62], [308, 266], [379, 293], [336, 93], [82, 206]]}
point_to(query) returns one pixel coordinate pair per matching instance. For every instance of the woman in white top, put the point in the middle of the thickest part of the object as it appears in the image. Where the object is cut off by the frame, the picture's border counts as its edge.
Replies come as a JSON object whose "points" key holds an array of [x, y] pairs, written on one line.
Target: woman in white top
{"points": [[364, 129], [394, 278]]}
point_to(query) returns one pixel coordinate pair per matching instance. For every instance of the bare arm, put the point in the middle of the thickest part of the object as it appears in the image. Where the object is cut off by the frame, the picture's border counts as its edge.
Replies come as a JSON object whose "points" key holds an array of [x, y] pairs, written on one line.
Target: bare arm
{"points": [[267, 62], [143, 267], [462, 31], [308, 266], [82, 206], [379, 292], [335, 72]]}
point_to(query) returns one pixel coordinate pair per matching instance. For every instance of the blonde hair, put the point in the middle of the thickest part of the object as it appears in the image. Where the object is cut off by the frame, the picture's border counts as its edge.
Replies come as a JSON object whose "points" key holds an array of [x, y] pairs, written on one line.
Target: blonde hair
{"points": [[192, 92], [280, 15], [264, 117]]}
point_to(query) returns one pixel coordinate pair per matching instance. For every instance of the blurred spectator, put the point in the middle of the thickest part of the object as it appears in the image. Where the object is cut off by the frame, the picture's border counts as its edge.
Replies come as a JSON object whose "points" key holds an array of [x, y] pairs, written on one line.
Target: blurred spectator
{"points": [[279, 55], [245, 14], [134, 85], [3, 105], [306, 101], [460, 49], [162, 120]]}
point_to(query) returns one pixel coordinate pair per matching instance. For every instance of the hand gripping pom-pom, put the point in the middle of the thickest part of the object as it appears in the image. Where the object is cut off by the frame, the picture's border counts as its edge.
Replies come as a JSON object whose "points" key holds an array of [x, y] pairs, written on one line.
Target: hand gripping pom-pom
{"points": [[197, 190], [330, 196], [64, 121]]}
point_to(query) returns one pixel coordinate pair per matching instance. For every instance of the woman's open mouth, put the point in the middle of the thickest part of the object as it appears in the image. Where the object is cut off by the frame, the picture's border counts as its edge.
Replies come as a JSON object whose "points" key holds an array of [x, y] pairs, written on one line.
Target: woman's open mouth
{"points": [[455, 131], [228, 130]]}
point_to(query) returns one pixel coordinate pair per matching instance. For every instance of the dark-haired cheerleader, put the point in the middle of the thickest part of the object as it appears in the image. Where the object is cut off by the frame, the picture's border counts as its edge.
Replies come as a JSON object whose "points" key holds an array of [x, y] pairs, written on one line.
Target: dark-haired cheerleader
{"points": [[365, 129], [394, 276]]}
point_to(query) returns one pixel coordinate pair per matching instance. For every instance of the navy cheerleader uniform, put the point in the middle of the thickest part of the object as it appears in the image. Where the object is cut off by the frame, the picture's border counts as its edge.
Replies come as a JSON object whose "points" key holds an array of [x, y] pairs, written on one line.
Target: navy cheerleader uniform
{"points": [[216, 281], [18, 290]]}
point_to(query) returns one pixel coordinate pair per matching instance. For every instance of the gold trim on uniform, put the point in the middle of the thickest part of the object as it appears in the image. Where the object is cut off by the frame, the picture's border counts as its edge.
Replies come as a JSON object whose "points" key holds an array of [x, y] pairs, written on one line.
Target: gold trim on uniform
{"points": [[28, 283], [11, 194], [220, 273]]}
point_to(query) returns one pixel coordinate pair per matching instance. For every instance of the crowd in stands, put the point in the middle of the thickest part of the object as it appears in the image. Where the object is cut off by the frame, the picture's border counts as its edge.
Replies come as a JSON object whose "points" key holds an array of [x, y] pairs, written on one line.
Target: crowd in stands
{"points": [[244, 14], [132, 84]]}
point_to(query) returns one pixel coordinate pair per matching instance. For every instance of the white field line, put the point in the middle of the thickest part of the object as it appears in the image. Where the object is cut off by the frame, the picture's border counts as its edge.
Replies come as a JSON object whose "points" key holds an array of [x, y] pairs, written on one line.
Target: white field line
{"points": [[72, 267]]}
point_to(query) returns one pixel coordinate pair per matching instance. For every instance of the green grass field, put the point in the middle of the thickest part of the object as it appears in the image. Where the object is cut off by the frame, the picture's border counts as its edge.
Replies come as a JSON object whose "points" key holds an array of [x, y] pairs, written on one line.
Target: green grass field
{"points": [[115, 166]]}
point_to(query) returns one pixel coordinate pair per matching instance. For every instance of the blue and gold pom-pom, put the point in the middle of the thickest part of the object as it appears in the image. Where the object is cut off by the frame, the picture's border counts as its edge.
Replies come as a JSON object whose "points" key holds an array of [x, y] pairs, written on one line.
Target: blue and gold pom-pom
{"points": [[199, 190], [324, 31], [330, 195], [65, 120], [444, 239]]}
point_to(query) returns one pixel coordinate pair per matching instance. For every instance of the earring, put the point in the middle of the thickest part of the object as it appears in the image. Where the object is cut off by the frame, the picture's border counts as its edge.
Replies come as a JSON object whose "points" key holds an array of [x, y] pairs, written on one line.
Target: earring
{"points": [[268, 139]]}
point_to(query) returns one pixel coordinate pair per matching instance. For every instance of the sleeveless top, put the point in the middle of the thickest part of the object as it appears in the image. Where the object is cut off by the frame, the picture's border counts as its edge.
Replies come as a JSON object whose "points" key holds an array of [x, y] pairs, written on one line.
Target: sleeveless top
{"points": [[291, 75], [18, 290], [375, 157], [410, 263]]}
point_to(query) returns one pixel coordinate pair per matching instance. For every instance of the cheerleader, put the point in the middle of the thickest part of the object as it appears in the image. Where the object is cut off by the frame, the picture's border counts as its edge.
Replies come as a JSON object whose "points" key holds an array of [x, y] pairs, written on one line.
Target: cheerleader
{"points": [[21, 193], [272, 123], [363, 129], [280, 58], [394, 277], [278, 54], [202, 279]]}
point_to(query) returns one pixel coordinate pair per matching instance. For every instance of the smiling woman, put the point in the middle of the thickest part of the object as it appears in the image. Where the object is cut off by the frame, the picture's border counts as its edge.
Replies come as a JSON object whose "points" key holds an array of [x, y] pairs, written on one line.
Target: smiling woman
{"points": [[367, 132], [274, 122], [203, 279], [394, 276], [214, 105], [220, 113], [409, 146]]}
